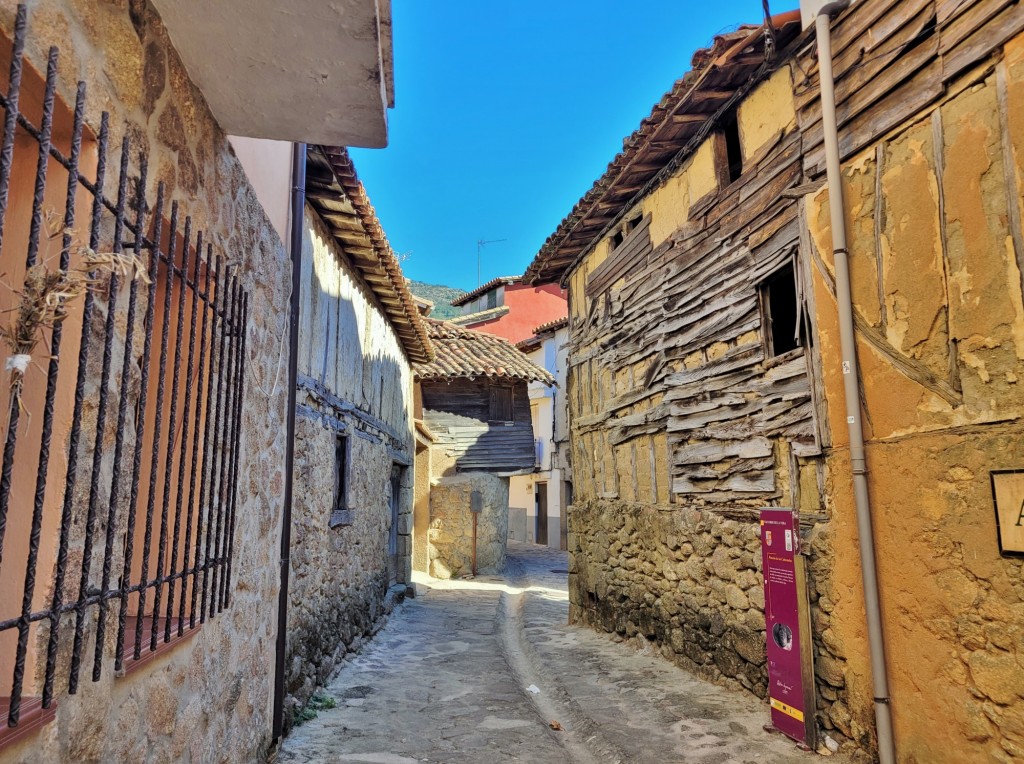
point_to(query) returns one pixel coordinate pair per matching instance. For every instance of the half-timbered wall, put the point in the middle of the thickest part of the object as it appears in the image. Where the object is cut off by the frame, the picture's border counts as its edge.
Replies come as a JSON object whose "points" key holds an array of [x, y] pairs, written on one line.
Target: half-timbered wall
{"points": [[932, 136], [353, 428], [682, 425]]}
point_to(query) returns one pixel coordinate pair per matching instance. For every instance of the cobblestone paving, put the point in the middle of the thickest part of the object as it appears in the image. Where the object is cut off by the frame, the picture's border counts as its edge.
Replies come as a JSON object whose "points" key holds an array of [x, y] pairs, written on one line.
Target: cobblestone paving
{"points": [[476, 671]]}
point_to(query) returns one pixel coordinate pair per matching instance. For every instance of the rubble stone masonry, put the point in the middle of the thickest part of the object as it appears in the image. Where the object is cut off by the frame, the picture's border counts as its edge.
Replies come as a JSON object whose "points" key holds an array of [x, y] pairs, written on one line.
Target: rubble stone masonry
{"points": [[209, 697]]}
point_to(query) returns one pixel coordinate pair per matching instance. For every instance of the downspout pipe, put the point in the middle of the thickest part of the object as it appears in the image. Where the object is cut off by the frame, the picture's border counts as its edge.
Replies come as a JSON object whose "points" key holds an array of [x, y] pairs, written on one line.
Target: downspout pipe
{"points": [[851, 383], [298, 206]]}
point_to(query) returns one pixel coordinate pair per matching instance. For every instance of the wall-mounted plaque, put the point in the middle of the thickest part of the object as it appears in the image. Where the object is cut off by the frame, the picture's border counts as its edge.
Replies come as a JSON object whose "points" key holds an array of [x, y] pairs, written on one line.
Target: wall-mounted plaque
{"points": [[1008, 495]]}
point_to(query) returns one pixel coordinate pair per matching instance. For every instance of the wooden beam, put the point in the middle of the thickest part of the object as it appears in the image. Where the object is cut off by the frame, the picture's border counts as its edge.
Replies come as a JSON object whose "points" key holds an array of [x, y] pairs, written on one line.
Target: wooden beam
{"points": [[688, 119], [711, 95]]}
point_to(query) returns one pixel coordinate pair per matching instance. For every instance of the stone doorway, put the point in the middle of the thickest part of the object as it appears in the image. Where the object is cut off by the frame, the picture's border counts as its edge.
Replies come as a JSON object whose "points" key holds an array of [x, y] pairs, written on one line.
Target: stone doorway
{"points": [[395, 505]]}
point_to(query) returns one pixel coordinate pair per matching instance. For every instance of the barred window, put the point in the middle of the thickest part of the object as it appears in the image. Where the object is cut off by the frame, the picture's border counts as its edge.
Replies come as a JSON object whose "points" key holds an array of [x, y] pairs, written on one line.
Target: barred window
{"points": [[119, 469]]}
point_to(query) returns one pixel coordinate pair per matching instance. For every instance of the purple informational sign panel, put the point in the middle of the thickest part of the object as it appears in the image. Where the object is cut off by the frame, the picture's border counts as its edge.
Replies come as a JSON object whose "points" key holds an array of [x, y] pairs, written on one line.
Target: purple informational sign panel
{"points": [[780, 542]]}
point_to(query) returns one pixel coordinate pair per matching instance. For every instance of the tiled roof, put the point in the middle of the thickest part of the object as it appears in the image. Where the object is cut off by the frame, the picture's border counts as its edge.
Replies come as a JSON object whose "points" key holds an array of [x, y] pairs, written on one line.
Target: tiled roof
{"points": [[534, 341], [552, 326], [674, 127], [334, 191], [485, 288], [480, 316], [465, 354]]}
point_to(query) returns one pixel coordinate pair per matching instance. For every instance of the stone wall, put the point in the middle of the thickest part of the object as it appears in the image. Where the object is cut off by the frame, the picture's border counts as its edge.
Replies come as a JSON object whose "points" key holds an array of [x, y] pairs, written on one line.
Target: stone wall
{"points": [[450, 538], [338, 591], [212, 691], [354, 381], [691, 582]]}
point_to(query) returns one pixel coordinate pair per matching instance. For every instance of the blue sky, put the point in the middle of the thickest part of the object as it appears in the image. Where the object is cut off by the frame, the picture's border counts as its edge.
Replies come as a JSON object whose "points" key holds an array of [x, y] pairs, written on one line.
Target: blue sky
{"points": [[506, 113]]}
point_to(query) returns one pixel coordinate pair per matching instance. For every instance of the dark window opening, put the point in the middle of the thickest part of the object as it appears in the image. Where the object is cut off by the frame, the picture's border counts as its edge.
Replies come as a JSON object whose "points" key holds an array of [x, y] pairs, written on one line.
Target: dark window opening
{"points": [[501, 404], [617, 238], [492, 299], [782, 314], [733, 149], [342, 513], [633, 223]]}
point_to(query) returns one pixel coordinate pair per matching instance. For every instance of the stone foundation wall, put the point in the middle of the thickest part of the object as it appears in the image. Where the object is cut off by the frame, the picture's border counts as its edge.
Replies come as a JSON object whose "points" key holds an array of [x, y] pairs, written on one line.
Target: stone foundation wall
{"points": [[339, 585], [450, 537], [690, 581]]}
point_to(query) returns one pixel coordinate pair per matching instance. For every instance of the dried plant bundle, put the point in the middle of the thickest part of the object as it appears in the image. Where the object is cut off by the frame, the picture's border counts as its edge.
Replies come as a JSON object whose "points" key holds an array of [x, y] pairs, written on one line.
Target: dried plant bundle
{"points": [[43, 300]]}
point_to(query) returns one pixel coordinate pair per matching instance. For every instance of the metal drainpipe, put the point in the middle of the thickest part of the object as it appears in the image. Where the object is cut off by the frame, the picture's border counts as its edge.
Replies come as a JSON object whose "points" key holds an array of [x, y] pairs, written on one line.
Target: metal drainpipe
{"points": [[298, 205], [851, 383]]}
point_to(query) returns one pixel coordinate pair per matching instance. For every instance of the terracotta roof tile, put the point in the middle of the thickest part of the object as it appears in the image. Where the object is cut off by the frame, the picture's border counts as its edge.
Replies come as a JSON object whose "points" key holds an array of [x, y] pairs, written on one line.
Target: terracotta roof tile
{"points": [[467, 354], [717, 73], [334, 191], [485, 288]]}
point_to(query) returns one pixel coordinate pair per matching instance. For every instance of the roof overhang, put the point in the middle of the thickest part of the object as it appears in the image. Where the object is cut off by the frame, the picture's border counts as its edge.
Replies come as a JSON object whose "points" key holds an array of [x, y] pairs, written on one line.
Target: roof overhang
{"points": [[735, 63], [314, 71]]}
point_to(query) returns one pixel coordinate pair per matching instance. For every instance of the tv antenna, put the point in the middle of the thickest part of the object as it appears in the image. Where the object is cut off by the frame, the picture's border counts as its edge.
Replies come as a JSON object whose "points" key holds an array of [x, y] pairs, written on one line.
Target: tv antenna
{"points": [[480, 244]]}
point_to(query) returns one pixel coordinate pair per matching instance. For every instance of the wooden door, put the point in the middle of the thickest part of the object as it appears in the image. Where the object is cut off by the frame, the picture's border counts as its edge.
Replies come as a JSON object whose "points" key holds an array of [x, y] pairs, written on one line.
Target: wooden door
{"points": [[541, 528]]}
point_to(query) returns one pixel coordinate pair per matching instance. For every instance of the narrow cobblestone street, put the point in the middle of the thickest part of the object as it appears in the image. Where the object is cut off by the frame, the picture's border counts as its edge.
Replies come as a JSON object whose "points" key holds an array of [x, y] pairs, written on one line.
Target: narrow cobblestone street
{"points": [[478, 670]]}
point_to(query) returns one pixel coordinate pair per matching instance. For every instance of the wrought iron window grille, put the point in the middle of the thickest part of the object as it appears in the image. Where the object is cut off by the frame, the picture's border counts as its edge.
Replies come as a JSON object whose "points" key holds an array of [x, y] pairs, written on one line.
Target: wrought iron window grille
{"points": [[134, 529]]}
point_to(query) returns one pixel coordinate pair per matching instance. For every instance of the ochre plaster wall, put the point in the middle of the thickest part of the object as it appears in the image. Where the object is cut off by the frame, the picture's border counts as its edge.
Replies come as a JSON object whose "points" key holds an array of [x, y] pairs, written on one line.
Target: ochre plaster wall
{"points": [[933, 216]]}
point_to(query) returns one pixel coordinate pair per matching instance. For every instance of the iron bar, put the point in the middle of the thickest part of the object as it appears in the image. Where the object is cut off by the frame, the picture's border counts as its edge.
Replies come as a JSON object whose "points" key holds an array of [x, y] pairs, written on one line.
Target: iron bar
{"points": [[10, 105], [71, 476], [212, 534], [169, 459], [45, 139], [207, 446], [42, 466], [14, 406], [119, 432], [225, 373], [101, 419], [165, 327], [244, 322], [189, 381], [232, 440], [140, 431]]}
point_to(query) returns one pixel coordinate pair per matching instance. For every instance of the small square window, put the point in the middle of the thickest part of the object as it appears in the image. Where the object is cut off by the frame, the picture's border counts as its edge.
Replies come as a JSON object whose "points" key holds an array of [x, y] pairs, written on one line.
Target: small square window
{"points": [[501, 404], [783, 317]]}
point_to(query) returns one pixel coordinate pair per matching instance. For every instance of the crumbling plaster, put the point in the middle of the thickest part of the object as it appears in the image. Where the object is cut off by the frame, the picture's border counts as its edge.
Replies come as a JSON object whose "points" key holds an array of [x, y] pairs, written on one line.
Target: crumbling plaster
{"points": [[940, 354]]}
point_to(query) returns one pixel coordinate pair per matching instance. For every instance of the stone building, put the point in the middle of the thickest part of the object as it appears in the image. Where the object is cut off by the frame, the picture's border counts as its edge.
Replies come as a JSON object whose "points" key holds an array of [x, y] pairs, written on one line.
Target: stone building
{"points": [[538, 502], [145, 427], [705, 379], [352, 515], [473, 416]]}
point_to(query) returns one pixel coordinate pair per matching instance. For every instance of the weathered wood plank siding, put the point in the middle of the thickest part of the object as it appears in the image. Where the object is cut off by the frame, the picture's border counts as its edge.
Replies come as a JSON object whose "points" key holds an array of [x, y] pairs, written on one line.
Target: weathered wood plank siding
{"points": [[457, 412], [675, 348]]}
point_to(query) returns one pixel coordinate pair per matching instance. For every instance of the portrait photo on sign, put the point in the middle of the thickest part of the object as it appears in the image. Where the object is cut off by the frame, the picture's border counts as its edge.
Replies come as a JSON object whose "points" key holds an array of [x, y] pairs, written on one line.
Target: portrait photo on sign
{"points": [[783, 636]]}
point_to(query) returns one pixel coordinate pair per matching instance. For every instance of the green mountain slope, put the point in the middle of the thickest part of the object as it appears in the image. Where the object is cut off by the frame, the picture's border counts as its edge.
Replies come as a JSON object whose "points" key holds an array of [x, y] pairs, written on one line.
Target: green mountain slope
{"points": [[441, 296]]}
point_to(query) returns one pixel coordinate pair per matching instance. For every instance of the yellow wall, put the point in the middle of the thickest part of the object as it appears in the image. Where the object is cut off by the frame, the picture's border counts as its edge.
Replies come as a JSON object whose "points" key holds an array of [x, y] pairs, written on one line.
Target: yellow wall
{"points": [[767, 113], [942, 359]]}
